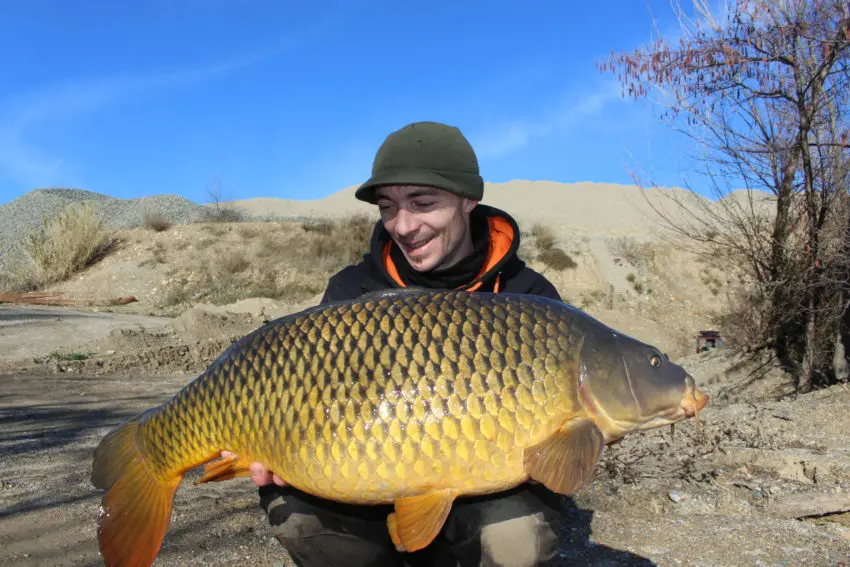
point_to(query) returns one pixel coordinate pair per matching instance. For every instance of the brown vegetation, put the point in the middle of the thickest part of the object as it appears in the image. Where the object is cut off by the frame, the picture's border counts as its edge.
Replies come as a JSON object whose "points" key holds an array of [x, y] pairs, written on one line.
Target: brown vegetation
{"points": [[156, 222], [285, 260], [764, 95], [547, 252], [637, 254], [70, 241]]}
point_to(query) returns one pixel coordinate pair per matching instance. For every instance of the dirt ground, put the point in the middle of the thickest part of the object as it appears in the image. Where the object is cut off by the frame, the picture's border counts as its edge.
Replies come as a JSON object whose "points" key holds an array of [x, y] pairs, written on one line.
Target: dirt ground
{"points": [[765, 482]]}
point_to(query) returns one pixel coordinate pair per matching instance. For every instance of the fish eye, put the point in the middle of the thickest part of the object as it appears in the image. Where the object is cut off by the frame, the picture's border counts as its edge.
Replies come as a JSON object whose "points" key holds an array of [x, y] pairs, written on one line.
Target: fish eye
{"points": [[655, 359]]}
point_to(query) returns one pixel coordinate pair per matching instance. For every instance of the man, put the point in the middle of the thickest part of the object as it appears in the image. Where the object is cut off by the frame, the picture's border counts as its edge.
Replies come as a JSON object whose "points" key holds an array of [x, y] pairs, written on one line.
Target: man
{"points": [[433, 233]]}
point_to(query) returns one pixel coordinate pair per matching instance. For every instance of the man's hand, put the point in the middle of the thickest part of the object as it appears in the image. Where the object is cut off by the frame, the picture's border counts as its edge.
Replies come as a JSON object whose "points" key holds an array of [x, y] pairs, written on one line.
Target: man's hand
{"points": [[259, 474]]}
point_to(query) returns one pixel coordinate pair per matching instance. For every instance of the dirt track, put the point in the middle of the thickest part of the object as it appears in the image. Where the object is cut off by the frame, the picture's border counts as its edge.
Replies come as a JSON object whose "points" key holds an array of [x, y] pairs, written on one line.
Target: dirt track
{"points": [[708, 500]]}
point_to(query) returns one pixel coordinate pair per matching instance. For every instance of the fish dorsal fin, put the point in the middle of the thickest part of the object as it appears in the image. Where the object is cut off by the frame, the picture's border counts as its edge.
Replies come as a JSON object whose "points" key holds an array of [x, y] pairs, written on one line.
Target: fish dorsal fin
{"points": [[565, 461], [418, 519], [396, 292]]}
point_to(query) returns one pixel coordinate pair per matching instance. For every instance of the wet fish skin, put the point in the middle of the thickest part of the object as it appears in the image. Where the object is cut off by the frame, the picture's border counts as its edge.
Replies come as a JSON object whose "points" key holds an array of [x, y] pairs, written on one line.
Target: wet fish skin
{"points": [[412, 398], [356, 401]]}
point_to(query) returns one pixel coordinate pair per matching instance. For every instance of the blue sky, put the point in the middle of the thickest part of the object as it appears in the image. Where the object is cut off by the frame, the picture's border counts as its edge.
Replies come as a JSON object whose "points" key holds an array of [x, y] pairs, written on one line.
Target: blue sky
{"points": [[292, 99]]}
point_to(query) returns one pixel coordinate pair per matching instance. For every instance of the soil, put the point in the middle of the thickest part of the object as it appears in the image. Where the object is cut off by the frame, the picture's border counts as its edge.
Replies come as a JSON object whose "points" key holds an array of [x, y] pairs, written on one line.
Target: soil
{"points": [[764, 482]]}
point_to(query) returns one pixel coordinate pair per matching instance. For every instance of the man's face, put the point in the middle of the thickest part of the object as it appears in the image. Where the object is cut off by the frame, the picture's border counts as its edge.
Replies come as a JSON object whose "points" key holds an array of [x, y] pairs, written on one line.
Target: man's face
{"points": [[430, 225]]}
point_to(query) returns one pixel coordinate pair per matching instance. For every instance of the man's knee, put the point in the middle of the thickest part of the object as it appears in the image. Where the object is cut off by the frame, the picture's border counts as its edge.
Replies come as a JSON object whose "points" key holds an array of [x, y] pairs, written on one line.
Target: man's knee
{"points": [[521, 541], [511, 529], [314, 534]]}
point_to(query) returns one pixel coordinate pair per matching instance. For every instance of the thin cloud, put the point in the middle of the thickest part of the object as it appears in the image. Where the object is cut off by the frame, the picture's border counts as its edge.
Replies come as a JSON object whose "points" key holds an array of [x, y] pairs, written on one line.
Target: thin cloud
{"points": [[28, 165], [514, 135], [509, 137], [85, 95], [89, 95]]}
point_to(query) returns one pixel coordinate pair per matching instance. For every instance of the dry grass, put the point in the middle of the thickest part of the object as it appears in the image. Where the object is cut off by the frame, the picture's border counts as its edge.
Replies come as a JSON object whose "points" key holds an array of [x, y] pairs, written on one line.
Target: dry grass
{"points": [[544, 236], [156, 222], [711, 281], [220, 212], [548, 253], [285, 260], [248, 232], [70, 241], [637, 254], [556, 259]]}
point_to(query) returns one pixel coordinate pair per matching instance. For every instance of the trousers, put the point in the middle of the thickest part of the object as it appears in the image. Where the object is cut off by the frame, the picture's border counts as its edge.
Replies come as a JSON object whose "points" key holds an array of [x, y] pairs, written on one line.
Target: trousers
{"points": [[508, 529]]}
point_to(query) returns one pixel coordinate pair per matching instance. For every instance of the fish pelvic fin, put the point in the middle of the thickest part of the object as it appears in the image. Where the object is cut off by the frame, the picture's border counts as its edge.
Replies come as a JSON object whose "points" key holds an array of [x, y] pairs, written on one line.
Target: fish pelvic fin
{"points": [[417, 520], [135, 510], [225, 469], [564, 462]]}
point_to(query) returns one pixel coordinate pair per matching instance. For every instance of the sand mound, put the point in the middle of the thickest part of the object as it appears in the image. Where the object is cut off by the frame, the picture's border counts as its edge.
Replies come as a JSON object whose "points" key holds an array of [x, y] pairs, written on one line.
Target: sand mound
{"points": [[203, 323], [188, 343], [582, 208]]}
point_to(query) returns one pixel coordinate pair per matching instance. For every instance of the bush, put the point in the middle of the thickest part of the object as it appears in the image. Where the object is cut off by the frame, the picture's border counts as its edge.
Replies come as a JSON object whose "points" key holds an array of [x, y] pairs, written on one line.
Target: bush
{"points": [[156, 222], [556, 259], [72, 240], [547, 253], [544, 237], [225, 213]]}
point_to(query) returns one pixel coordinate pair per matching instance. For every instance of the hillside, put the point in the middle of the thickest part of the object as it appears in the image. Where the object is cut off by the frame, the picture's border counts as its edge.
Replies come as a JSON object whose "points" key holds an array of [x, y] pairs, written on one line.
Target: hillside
{"points": [[628, 271]]}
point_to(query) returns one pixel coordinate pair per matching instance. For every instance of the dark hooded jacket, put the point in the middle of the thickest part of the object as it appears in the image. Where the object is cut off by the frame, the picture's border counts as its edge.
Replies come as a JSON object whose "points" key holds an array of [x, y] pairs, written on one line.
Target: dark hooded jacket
{"points": [[495, 233]]}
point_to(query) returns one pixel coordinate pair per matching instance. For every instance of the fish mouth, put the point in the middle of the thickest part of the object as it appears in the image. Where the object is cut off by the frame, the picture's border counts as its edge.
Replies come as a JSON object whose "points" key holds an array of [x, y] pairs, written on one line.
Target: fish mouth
{"points": [[693, 400]]}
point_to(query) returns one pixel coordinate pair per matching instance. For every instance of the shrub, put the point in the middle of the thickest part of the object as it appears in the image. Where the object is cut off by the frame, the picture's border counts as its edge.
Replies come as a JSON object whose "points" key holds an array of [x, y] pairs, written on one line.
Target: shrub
{"points": [[556, 259], [634, 253], [225, 213], [156, 222], [72, 240], [545, 240], [544, 237]]}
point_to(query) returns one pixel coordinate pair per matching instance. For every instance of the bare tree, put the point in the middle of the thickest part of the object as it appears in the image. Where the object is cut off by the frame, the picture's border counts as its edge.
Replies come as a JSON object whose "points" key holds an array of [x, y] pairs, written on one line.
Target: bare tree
{"points": [[222, 211], [763, 93]]}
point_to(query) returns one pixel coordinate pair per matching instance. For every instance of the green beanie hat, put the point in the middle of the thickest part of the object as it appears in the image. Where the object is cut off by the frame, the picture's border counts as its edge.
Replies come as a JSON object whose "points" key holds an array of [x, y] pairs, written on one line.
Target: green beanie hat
{"points": [[425, 153]]}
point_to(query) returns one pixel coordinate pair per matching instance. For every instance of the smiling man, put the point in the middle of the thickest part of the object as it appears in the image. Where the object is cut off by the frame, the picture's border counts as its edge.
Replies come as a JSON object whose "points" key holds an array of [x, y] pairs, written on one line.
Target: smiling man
{"points": [[433, 233]]}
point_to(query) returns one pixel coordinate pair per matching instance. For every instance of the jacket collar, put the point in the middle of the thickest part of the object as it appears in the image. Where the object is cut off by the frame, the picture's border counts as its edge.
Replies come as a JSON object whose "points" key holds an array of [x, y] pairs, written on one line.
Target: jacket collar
{"points": [[504, 240]]}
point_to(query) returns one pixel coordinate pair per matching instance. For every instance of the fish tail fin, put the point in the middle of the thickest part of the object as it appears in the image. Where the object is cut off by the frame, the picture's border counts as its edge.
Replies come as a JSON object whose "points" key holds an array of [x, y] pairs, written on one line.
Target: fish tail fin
{"points": [[136, 509]]}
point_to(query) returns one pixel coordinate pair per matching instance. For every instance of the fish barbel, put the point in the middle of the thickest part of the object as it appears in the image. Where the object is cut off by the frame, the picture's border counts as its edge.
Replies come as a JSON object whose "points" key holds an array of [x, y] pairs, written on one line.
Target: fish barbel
{"points": [[412, 398]]}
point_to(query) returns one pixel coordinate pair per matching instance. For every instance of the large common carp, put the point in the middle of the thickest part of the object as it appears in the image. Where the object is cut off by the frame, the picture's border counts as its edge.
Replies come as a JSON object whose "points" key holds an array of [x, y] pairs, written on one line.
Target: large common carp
{"points": [[407, 397]]}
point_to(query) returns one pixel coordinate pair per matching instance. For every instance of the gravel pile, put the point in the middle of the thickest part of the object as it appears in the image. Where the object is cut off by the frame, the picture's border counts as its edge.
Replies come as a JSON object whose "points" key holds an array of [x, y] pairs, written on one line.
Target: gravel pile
{"points": [[26, 213]]}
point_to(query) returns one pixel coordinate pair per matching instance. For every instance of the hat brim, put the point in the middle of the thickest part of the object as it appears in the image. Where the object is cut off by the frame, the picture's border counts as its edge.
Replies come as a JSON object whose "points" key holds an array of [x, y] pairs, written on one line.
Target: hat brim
{"points": [[366, 192]]}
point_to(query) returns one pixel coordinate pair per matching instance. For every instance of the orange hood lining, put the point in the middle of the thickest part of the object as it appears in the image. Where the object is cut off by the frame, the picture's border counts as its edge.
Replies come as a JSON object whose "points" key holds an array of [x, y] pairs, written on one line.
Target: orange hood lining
{"points": [[501, 239]]}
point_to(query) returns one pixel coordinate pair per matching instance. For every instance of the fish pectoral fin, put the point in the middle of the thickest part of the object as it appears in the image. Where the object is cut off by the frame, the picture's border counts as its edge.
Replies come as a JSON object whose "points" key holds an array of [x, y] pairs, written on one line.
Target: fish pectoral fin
{"points": [[564, 462], [418, 519], [225, 469]]}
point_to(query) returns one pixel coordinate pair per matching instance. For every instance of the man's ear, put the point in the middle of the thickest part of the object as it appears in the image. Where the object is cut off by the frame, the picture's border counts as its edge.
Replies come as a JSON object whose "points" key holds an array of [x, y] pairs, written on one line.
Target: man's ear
{"points": [[469, 205]]}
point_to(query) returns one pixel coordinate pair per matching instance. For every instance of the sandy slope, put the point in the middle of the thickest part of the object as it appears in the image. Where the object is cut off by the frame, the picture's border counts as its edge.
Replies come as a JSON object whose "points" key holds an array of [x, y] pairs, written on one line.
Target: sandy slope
{"points": [[581, 207], [660, 293]]}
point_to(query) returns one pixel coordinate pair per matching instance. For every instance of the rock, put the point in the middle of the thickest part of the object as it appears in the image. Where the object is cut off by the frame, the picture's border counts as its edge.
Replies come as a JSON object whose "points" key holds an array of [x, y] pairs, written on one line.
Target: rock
{"points": [[677, 496]]}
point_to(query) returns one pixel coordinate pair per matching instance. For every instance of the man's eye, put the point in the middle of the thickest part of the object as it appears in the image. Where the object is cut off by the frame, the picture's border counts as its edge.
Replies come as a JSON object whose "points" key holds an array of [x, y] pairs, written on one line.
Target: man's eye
{"points": [[425, 205]]}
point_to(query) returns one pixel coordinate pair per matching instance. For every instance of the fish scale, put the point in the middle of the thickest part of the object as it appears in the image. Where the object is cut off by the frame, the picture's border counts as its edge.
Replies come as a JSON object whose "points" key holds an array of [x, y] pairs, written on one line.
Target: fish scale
{"points": [[406, 397], [363, 404]]}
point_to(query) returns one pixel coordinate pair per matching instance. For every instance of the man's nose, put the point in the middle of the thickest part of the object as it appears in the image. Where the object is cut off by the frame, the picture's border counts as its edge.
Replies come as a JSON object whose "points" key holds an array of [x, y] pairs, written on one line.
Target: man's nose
{"points": [[406, 222]]}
